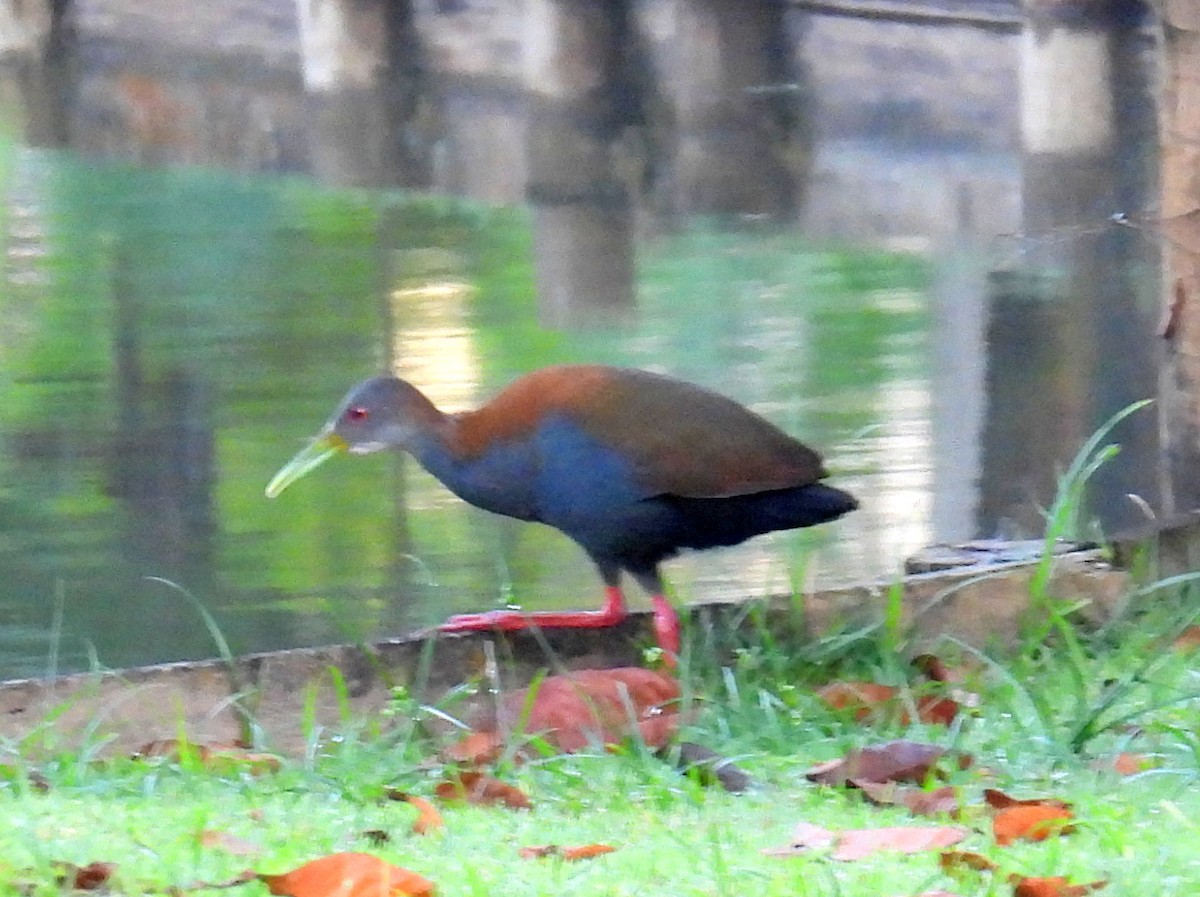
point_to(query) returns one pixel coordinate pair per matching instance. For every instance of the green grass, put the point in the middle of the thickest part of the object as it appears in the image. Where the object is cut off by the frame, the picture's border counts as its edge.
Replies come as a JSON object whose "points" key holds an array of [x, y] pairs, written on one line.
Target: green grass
{"points": [[674, 835]]}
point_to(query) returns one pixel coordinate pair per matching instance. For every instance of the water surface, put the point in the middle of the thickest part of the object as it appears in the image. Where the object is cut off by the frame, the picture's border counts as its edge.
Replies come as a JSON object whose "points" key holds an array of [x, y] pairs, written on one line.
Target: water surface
{"points": [[925, 312]]}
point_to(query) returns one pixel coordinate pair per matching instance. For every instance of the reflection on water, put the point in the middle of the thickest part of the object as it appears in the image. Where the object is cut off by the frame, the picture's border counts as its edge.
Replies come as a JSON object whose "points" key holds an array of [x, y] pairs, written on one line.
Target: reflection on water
{"points": [[945, 317]]}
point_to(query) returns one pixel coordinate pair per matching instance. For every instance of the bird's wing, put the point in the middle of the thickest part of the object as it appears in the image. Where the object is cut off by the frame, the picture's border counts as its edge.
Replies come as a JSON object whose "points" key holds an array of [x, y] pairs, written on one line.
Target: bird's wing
{"points": [[686, 440], [678, 438]]}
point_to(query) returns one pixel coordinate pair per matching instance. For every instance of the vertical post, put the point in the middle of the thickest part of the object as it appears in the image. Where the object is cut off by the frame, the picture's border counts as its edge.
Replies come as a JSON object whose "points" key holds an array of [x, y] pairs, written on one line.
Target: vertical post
{"points": [[1069, 344], [730, 100], [1179, 130], [583, 237], [343, 42], [364, 91], [35, 34], [25, 27]]}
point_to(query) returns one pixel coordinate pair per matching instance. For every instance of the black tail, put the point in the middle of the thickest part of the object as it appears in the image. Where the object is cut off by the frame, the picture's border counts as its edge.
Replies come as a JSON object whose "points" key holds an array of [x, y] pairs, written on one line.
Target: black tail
{"points": [[707, 522], [810, 505]]}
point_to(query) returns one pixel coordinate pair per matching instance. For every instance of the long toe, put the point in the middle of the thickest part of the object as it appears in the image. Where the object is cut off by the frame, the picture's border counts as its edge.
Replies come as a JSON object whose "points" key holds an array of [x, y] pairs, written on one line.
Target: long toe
{"points": [[509, 620]]}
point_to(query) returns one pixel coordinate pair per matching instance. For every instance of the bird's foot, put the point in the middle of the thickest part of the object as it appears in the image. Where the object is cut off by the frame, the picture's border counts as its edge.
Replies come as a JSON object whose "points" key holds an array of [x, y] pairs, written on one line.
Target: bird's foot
{"points": [[611, 614], [509, 620], [666, 628]]}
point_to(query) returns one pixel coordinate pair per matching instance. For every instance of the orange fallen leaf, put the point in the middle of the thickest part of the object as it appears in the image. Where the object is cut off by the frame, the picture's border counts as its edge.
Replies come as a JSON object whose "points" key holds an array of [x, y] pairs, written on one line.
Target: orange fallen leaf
{"points": [[574, 711], [1054, 886], [938, 802], [1129, 764], [476, 749], [1030, 823], [428, 818], [855, 844], [477, 788], [348, 875], [895, 761], [586, 852]]}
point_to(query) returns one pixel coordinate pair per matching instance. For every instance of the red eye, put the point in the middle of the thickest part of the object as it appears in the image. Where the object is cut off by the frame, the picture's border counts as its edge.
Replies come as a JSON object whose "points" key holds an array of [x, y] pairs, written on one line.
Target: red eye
{"points": [[357, 414]]}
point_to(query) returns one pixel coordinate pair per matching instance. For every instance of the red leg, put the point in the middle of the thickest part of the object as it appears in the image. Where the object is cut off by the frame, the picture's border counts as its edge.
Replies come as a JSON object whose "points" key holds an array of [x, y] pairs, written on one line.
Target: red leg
{"points": [[611, 614], [666, 627]]}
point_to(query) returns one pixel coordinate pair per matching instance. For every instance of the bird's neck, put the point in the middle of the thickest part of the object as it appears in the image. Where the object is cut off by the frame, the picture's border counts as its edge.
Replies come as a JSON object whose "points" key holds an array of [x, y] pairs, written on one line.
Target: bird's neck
{"points": [[498, 479], [438, 445]]}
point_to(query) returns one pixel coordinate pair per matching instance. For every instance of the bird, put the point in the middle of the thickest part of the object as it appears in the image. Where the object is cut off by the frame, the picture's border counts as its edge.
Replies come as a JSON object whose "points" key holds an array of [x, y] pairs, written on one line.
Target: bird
{"points": [[633, 465]]}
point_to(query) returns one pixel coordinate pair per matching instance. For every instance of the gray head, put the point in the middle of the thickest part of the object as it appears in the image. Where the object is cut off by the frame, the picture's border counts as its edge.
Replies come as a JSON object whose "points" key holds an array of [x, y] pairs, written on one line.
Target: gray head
{"points": [[379, 413]]}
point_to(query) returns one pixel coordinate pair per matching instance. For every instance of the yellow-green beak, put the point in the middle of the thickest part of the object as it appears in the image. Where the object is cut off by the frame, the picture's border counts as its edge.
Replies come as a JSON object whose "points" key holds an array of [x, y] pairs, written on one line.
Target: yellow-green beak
{"points": [[312, 455]]}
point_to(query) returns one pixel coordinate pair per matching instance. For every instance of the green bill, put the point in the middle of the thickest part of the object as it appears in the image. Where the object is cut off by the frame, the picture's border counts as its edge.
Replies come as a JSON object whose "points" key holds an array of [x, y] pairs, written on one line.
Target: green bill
{"points": [[312, 455]]}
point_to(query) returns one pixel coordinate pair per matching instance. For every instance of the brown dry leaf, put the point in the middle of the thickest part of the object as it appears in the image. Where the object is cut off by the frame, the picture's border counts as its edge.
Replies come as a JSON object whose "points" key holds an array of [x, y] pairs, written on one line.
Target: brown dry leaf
{"points": [[476, 749], [707, 766], [955, 860], [1030, 823], [895, 761], [477, 788], [574, 711], [1188, 640], [860, 697], [870, 699], [998, 800], [1054, 886], [938, 802], [585, 852], [937, 710], [428, 818], [855, 844], [936, 669], [348, 875], [36, 780], [213, 755], [91, 877], [228, 843]]}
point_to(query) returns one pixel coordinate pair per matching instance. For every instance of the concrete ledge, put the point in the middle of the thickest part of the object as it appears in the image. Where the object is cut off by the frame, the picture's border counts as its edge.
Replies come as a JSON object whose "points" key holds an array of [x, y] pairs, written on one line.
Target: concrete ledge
{"points": [[212, 700]]}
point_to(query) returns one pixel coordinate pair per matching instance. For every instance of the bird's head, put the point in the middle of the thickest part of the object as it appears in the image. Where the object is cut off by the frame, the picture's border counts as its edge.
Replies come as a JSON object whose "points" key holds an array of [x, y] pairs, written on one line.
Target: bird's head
{"points": [[383, 412]]}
